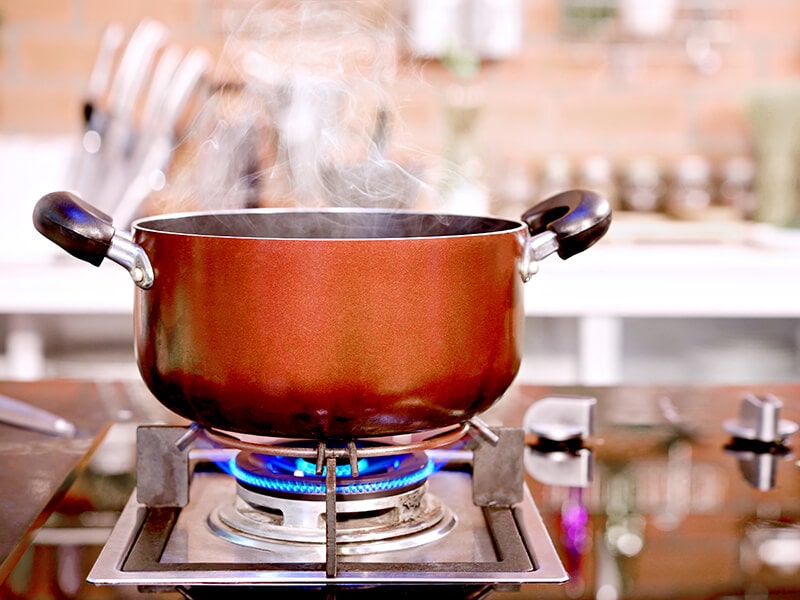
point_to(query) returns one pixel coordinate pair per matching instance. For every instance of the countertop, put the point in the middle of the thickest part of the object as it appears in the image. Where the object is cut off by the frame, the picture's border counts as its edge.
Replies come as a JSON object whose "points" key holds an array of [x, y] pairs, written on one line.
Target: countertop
{"points": [[674, 509], [670, 509], [37, 468]]}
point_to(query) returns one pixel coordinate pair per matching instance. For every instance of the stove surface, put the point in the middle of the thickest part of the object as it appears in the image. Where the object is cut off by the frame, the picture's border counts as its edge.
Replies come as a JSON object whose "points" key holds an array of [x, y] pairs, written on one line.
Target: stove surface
{"points": [[193, 554]]}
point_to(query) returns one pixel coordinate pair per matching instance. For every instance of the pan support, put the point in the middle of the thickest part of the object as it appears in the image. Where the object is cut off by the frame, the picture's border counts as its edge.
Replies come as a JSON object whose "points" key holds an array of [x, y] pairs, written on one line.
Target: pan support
{"points": [[164, 470]]}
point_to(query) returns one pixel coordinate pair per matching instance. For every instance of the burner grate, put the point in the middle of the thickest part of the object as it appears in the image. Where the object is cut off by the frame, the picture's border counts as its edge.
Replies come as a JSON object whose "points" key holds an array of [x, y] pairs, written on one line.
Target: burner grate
{"points": [[511, 557], [498, 537]]}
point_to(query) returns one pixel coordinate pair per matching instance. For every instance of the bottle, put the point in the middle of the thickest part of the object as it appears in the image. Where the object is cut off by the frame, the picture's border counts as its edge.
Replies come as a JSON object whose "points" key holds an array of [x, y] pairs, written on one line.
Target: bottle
{"points": [[597, 174], [642, 188], [736, 188], [690, 195], [556, 176]]}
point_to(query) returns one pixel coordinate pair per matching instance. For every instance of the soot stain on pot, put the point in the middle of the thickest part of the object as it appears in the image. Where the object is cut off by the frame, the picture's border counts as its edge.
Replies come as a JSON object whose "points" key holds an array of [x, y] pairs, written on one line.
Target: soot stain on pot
{"points": [[170, 393], [304, 421], [209, 408], [204, 410], [304, 418], [322, 426]]}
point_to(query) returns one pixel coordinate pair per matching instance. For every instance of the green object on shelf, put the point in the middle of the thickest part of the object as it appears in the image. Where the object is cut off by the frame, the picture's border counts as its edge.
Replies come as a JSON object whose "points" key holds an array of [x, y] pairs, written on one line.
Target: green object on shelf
{"points": [[773, 112], [462, 62]]}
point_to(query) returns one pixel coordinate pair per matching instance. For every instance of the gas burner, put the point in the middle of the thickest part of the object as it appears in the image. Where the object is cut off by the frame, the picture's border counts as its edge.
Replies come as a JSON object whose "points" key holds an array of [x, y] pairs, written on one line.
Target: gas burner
{"points": [[283, 499], [320, 450], [471, 522], [298, 478]]}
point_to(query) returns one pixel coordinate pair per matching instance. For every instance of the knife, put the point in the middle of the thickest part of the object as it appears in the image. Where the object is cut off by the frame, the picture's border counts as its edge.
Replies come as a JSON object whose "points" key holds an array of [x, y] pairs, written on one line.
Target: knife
{"points": [[99, 80], [159, 130], [21, 414]]}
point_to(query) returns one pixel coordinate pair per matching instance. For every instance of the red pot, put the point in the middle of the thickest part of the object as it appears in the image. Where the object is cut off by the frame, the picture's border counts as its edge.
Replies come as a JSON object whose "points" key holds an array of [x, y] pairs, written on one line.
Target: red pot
{"points": [[328, 324]]}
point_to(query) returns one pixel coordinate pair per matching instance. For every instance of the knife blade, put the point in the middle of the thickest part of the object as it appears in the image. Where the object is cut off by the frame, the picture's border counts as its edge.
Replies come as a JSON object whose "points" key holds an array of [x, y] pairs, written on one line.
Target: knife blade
{"points": [[21, 414]]}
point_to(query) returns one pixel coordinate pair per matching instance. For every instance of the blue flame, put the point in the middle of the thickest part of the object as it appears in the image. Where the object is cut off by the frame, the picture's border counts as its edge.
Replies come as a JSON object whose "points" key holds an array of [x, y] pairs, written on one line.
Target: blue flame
{"points": [[306, 481], [306, 467]]}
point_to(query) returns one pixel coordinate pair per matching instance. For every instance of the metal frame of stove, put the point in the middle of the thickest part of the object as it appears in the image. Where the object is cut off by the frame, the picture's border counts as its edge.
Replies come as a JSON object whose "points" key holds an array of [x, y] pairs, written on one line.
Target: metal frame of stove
{"points": [[164, 472]]}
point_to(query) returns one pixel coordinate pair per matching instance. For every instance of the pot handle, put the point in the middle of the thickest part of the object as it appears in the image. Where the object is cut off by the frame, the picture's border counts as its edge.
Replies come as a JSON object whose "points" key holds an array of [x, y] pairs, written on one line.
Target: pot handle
{"points": [[573, 221], [89, 234]]}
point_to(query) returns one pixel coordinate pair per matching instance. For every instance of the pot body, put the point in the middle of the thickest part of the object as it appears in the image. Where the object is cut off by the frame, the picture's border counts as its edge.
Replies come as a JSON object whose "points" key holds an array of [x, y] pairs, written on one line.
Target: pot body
{"points": [[332, 324], [312, 334]]}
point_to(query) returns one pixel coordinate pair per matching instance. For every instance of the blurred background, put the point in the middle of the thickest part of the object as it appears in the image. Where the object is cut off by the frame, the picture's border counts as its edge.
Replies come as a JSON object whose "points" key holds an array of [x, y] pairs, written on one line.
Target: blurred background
{"points": [[574, 79], [685, 113]]}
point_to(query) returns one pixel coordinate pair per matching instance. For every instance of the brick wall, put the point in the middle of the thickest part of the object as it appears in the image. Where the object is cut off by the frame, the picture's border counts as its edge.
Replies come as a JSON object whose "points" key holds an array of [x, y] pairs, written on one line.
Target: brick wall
{"points": [[568, 93], [48, 47]]}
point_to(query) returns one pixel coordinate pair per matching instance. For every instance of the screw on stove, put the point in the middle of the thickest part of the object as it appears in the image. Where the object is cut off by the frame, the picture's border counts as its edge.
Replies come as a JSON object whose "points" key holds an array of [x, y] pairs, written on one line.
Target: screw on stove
{"points": [[760, 439], [559, 427]]}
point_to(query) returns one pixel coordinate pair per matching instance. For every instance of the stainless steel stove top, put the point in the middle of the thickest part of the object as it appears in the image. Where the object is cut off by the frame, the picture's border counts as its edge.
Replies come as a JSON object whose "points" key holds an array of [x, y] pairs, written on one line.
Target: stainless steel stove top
{"points": [[493, 542]]}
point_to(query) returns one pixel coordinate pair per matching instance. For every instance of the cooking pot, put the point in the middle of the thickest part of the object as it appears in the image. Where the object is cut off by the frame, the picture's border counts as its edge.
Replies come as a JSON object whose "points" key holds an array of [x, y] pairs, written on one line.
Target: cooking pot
{"points": [[328, 324]]}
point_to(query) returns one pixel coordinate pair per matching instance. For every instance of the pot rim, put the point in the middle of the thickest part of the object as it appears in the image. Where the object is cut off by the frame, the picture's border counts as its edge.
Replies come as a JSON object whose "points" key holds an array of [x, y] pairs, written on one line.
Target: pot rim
{"points": [[496, 225]]}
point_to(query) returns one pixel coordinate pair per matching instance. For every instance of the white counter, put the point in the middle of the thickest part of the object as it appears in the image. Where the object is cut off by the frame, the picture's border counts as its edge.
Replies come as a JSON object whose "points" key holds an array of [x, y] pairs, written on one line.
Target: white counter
{"points": [[748, 280]]}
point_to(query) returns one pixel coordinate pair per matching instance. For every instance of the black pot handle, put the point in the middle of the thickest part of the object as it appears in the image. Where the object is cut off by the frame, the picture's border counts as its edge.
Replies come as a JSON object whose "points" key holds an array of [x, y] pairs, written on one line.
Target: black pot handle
{"points": [[89, 234], [78, 227], [578, 218]]}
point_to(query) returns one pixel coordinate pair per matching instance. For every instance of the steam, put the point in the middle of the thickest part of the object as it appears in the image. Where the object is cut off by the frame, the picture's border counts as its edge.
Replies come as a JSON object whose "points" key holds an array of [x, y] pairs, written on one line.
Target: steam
{"points": [[307, 116]]}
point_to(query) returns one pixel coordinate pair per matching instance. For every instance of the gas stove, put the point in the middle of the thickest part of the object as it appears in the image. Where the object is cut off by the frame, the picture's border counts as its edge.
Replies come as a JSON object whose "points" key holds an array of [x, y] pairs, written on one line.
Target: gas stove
{"points": [[569, 492], [212, 509]]}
